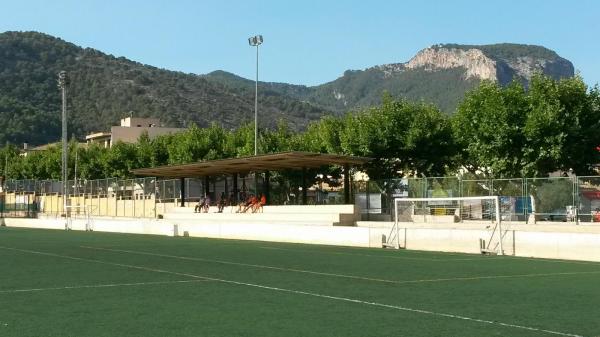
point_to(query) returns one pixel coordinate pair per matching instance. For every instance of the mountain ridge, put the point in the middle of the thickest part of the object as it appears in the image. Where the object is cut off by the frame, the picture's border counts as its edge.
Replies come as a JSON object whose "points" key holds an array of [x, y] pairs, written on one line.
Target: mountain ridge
{"points": [[426, 76], [105, 88]]}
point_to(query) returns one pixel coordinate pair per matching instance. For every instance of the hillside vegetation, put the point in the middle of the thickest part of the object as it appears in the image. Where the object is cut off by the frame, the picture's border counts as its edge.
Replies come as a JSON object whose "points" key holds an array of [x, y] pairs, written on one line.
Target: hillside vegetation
{"points": [[497, 131], [104, 88]]}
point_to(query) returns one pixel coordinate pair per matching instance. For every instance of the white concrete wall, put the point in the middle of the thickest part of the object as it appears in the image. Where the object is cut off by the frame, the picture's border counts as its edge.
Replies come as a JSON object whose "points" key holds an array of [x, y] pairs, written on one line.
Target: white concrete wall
{"points": [[557, 245], [565, 242], [338, 235], [568, 242], [105, 224], [333, 235]]}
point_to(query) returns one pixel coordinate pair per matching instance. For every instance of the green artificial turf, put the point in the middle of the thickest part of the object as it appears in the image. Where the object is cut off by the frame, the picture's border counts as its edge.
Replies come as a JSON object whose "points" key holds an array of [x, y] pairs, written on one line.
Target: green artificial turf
{"points": [[57, 283]]}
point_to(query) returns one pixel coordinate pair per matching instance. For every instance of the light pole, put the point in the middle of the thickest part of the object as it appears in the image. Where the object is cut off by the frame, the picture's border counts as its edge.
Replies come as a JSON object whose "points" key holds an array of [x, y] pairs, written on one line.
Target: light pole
{"points": [[75, 186], [62, 84], [256, 41]]}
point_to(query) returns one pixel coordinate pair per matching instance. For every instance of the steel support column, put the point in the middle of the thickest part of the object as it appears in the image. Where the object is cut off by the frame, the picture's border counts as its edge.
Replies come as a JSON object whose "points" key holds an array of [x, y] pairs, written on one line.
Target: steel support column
{"points": [[182, 190], [304, 189], [235, 189], [266, 186], [346, 183]]}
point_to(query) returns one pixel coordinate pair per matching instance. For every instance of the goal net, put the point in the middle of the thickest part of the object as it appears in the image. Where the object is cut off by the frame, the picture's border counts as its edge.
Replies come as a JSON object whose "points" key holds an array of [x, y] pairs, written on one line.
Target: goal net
{"points": [[447, 210]]}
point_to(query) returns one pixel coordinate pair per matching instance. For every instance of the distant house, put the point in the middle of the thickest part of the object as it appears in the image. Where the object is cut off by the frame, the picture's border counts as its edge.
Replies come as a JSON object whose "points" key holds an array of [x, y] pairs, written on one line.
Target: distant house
{"points": [[129, 131]]}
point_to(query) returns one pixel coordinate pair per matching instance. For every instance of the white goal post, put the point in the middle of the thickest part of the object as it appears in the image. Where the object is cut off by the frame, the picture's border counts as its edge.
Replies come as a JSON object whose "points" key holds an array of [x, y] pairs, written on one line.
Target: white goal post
{"points": [[450, 208], [79, 212]]}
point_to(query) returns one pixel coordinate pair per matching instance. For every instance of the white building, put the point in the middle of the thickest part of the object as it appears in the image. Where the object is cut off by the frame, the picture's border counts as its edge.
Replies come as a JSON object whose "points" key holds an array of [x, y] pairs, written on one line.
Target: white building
{"points": [[129, 131]]}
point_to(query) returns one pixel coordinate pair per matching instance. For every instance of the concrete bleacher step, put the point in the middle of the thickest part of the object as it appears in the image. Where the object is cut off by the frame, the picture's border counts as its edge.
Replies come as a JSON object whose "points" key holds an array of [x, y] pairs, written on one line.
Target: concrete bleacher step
{"points": [[242, 221], [345, 209], [310, 215], [268, 216], [330, 219]]}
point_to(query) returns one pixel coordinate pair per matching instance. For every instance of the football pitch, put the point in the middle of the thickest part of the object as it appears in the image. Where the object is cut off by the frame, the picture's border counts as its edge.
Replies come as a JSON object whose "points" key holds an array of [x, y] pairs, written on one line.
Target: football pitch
{"points": [[57, 283]]}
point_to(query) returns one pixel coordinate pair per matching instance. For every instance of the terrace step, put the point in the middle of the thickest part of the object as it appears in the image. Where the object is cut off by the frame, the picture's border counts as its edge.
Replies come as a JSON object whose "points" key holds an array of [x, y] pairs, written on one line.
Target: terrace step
{"points": [[312, 209], [329, 215], [243, 221]]}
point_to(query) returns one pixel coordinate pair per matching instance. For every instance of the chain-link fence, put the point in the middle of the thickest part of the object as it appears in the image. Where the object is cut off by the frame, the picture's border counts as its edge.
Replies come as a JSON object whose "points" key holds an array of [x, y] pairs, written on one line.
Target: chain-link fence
{"points": [[105, 197], [555, 199], [588, 196], [138, 198], [532, 200]]}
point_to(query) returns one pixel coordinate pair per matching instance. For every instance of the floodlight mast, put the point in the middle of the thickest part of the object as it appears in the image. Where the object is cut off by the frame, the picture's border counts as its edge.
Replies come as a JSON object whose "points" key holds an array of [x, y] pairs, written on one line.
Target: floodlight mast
{"points": [[256, 41], [62, 84]]}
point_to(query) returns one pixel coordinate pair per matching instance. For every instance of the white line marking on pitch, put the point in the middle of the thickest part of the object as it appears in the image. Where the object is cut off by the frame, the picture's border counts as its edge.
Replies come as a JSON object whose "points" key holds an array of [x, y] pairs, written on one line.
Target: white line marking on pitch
{"points": [[300, 292], [467, 278], [383, 256], [547, 260], [109, 285]]}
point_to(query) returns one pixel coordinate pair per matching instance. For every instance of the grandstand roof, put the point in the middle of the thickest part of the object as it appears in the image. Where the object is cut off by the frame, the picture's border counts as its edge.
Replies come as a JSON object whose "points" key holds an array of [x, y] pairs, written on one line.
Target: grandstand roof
{"points": [[266, 162]]}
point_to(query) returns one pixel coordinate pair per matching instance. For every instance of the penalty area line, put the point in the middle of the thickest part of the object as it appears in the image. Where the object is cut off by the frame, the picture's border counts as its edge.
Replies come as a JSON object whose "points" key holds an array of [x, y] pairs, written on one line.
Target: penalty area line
{"points": [[383, 256], [475, 258], [307, 293], [108, 285], [355, 277]]}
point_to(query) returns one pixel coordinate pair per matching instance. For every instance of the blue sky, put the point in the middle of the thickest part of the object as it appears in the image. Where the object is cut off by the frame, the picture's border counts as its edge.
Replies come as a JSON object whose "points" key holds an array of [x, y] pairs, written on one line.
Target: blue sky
{"points": [[307, 42]]}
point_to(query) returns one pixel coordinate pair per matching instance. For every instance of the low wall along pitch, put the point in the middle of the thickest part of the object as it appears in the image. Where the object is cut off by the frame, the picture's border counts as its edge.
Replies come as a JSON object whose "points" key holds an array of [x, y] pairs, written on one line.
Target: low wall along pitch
{"points": [[339, 225]]}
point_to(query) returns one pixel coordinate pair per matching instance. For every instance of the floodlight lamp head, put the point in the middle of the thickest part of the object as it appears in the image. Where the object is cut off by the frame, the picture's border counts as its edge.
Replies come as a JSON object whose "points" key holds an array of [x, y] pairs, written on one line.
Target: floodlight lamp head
{"points": [[255, 40], [62, 79]]}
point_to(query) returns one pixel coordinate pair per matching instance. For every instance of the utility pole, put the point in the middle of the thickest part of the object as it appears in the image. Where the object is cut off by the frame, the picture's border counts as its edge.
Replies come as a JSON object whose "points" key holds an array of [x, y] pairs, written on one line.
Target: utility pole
{"points": [[6, 162], [75, 174], [256, 41], [62, 83]]}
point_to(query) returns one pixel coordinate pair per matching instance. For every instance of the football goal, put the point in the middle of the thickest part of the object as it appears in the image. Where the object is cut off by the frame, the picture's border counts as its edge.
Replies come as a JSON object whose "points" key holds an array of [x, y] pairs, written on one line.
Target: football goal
{"points": [[448, 210], [79, 212]]}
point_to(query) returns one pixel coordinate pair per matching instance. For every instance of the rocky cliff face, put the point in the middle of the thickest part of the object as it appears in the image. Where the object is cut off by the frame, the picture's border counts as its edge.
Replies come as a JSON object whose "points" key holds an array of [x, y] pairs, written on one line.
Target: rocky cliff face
{"points": [[473, 60], [440, 74], [491, 62]]}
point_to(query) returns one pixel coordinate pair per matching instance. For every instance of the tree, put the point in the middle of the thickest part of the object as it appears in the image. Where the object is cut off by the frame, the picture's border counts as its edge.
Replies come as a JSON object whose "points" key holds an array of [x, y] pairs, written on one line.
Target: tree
{"points": [[581, 114], [93, 162], [121, 159], [322, 136], [403, 138], [278, 140], [240, 142], [488, 128], [514, 132]]}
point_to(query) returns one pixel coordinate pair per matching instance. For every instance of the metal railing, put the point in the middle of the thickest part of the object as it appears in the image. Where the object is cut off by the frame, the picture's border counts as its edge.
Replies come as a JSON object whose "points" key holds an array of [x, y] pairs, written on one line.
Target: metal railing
{"points": [[558, 199], [554, 199]]}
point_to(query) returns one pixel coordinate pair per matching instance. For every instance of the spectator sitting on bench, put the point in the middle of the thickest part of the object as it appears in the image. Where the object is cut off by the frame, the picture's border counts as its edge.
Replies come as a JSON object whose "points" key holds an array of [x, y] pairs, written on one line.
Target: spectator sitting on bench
{"points": [[206, 203], [247, 204], [222, 202], [231, 201], [242, 204], [252, 201], [259, 203], [200, 205]]}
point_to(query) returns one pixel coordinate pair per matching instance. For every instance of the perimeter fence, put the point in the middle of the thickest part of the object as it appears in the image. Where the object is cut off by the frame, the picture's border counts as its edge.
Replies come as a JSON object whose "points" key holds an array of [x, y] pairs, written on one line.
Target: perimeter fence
{"points": [[138, 198], [562, 199], [556, 199]]}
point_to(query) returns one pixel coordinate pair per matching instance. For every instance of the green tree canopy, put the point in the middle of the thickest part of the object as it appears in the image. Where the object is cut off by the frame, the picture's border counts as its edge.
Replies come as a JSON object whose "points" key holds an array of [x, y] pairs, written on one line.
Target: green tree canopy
{"points": [[514, 131], [404, 138]]}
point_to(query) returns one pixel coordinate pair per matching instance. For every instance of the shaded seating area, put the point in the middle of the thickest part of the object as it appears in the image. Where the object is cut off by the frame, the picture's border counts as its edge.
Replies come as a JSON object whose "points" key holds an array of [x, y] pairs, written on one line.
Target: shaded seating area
{"points": [[261, 164]]}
